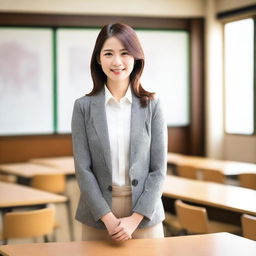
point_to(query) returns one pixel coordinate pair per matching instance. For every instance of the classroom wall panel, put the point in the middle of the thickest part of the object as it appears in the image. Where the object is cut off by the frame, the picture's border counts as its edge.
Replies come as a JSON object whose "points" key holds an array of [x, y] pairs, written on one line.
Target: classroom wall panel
{"points": [[74, 50], [166, 72], [26, 87]]}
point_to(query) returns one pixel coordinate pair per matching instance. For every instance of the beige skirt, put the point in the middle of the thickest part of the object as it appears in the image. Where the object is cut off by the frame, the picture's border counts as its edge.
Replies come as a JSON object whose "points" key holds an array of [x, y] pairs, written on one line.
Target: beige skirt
{"points": [[121, 207]]}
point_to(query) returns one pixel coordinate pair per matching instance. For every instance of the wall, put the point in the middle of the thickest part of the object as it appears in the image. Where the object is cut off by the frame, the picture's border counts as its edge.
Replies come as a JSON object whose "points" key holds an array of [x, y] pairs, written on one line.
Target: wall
{"points": [[168, 8], [213, 83], [227, 5]]}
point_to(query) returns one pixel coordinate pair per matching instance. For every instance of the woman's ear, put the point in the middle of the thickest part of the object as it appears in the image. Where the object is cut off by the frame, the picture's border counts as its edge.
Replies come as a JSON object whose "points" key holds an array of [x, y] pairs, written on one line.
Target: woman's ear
{"points": [[98, 60]]}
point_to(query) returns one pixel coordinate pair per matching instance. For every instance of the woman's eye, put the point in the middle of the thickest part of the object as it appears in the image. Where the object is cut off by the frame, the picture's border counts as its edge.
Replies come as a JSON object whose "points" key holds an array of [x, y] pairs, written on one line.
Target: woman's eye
{"points": [[108, 54], [125, 53]]}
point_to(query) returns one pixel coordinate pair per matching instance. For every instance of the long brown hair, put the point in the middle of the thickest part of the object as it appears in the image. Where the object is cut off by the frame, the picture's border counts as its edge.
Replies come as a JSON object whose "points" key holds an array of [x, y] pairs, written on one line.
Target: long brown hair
{"points": [[131, 42]]}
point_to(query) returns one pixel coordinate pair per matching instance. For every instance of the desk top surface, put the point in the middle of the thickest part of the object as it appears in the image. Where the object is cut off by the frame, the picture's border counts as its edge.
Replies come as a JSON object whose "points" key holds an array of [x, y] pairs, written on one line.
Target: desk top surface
{"points": [[226, 167], [227, 197], [28, 170], [63, 162], [13, 195], [220, 244]]}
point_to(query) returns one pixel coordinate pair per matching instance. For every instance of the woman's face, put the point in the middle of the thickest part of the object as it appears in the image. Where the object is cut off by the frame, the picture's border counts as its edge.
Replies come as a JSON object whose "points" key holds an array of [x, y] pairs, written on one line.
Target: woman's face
{"points": [[115, 60]]}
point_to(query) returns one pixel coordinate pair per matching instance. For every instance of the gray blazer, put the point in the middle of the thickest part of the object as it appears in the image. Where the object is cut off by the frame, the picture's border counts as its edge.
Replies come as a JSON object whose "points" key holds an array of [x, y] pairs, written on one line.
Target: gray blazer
{"points": [[148, 150]]}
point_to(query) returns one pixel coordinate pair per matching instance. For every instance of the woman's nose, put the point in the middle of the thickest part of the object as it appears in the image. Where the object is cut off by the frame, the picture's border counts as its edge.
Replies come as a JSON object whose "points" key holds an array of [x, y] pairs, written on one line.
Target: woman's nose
{"points": [[117, 61]]}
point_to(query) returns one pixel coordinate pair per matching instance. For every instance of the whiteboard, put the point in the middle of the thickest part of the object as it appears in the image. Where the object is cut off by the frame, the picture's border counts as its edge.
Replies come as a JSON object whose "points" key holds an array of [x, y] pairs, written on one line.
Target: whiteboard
{"points": [[167, 71], [74, 50], [26, 87], [27, 95]]}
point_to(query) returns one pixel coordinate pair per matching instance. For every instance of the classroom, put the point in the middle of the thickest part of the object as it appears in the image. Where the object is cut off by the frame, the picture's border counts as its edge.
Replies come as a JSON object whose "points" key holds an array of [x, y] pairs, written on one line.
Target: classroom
{"points": [[159, 157]]}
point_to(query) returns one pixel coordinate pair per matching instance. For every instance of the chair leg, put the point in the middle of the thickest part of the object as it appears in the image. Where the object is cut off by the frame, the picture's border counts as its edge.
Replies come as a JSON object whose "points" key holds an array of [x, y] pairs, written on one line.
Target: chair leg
{"points": [[46, 240], [70, 221], [54, 236], [184, 232]]}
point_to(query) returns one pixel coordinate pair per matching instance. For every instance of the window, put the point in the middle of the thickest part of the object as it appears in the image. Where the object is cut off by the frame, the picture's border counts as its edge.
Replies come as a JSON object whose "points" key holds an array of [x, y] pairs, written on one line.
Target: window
{"points": [[239, 77]]}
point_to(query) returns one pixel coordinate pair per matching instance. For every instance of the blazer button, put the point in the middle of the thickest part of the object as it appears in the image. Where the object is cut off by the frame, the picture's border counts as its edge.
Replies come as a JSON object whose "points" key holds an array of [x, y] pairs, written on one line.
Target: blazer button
{"points": [[134, 182], [110, 188]]}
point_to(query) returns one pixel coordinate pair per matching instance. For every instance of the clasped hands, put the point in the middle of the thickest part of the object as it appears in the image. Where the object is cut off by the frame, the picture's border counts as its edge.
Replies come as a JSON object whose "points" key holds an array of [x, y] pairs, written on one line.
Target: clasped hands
{"points": [[121, 229]]}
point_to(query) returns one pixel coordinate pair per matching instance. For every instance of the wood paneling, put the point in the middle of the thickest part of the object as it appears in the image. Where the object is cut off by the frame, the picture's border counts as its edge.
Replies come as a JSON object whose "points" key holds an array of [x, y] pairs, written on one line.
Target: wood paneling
{"points": [[197, 131], [57, 20], [178, 140], [22, 148]]}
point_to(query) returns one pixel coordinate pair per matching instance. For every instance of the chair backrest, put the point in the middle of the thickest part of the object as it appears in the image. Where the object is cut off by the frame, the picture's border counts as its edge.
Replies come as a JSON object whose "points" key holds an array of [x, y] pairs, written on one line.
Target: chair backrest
{"points": [[212, 175], [187, 171], [192, 218], [249, 226], [54, 183], [248, 180], [28, 224]]}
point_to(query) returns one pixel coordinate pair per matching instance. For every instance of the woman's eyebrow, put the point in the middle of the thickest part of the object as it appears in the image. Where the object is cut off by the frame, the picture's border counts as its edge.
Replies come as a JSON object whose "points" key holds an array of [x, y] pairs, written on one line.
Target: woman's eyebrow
{"points": [[110, 50], [107, 50]]}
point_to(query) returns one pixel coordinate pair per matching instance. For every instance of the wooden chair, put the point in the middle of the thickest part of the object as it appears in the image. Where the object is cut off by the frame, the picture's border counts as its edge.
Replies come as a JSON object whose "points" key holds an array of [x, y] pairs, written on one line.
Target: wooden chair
{"points": [[172, 225], [187, 171], [248, 180], [28, 224], [8, 178], [213, 175], [249, 226], [54, 183], [194, 220]]}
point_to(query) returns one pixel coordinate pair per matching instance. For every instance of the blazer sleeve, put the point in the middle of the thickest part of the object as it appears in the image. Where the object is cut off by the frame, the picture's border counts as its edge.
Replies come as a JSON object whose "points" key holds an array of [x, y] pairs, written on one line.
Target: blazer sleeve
{"points": [[87, 182], [152, 192]]}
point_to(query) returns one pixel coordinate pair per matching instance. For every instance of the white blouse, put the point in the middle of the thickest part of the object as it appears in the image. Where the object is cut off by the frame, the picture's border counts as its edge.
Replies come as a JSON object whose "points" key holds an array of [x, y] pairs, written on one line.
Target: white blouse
{"points": [[119, 118]]}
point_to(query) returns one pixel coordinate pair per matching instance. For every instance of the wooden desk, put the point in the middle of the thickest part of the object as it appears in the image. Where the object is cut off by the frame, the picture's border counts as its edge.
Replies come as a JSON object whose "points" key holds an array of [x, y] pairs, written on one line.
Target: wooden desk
{"points": [[28, 170], [13, 195], [228, 168], [220, 244], [227, 197], [64, 163]]}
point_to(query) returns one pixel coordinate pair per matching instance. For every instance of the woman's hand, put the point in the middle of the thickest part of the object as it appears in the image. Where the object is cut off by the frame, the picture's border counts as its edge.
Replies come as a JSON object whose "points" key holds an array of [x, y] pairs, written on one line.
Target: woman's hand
{"points": [[111, 222], [126, 227]]}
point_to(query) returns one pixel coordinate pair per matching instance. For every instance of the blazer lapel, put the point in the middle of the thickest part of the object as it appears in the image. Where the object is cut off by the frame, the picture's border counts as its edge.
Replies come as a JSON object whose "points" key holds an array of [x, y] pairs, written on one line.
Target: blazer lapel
{"points": [[138, 117], [100, 125]]}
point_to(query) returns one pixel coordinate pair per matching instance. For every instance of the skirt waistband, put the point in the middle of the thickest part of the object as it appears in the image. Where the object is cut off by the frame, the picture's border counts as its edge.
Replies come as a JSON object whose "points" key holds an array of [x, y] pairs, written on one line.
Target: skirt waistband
{"points": [[119, 191]]}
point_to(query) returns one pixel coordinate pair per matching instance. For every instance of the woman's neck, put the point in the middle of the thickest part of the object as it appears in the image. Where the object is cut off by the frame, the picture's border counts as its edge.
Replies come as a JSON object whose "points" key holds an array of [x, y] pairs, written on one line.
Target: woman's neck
{"points": [[118, 89]]}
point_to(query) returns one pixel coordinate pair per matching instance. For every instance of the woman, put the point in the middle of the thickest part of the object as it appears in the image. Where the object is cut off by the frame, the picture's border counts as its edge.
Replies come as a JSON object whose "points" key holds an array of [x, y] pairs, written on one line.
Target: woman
{"points": [[119, 144]]}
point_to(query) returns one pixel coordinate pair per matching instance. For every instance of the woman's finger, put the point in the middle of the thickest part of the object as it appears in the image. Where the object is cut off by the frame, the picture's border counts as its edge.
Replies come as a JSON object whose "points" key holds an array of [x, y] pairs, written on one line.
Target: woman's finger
{"points": [[119, 234], [116, 230], [122, 237]]}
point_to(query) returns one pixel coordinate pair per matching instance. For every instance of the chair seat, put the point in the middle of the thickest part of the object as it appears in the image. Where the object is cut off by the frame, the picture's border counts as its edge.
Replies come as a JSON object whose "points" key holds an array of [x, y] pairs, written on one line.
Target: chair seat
{"points": [[217, 226]]}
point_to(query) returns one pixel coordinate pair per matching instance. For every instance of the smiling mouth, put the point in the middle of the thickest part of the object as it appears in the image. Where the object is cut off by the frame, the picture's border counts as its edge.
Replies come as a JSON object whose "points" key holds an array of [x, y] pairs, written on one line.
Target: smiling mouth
{"points": [[117, 71]]}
